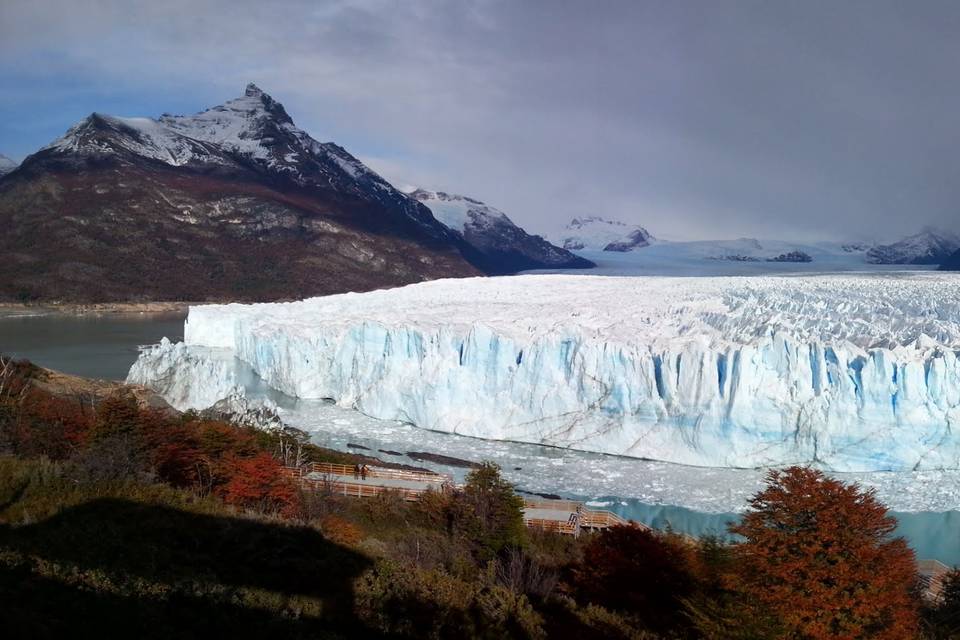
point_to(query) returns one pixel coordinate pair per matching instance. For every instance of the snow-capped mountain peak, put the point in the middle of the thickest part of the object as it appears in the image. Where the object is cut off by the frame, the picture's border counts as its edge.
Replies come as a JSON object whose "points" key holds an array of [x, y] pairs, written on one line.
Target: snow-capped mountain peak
{"points": [[6, 165], [250, 132], [242, 122], [236, 200], [503, 245], [594, 233]]}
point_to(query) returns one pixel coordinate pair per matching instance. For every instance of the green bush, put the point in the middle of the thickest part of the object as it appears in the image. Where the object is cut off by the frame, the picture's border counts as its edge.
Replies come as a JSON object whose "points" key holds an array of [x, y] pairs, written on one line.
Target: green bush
{"points": [[409, 602]]}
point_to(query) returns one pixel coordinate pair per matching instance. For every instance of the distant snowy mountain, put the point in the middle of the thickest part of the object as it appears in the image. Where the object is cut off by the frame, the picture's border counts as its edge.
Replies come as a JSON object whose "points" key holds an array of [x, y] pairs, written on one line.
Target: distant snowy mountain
{"points": [[931, 246], [235, 202], [598, 234], [6, 165], [504, 246], [743, 256]]}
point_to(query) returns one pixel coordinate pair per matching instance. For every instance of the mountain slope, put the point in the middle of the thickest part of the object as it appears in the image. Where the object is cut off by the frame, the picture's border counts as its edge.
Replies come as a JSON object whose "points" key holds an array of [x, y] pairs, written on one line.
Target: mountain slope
{"points": [[952, 263], [598, 234], [6, 165], [930, 246], [232, 203], [504, 247]]}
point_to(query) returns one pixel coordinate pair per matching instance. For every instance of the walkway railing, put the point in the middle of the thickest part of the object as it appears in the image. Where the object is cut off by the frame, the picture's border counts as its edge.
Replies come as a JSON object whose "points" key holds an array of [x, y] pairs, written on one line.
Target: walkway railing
{"points": [[555, 526], [577, 513], [334, 469], [561, 516], [932, 574]]}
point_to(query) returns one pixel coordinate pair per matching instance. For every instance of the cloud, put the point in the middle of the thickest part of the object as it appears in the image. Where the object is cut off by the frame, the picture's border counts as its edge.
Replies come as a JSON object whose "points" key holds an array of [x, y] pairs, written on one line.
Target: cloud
{"points": [[809, 120]]}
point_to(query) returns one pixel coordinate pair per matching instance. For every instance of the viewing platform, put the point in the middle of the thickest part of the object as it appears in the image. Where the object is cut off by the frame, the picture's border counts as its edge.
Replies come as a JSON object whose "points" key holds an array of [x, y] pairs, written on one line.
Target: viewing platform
{"points": [[568, 517]]}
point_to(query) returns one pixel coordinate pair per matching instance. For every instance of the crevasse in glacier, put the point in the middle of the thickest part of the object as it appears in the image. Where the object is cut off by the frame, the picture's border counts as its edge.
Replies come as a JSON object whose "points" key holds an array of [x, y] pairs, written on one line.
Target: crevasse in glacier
{"points": [[856, 372]]}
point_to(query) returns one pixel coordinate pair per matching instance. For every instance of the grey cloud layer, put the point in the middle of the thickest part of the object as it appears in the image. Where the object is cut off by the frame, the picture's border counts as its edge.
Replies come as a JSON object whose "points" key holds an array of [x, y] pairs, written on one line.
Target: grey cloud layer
{"points": [[695, 119]]}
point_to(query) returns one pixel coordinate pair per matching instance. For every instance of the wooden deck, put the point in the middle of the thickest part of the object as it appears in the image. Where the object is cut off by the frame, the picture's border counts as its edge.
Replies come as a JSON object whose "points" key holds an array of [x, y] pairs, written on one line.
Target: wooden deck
{"points": [[560, 516], [570, 517], [347, 480], [932, 573]]}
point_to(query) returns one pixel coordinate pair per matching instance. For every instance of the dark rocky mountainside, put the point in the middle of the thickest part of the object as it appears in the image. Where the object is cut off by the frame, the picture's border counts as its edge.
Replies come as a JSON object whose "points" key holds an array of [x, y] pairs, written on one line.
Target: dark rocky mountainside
{"points": [[503, 247], [952, 263], [929, 247], [233, 203]]}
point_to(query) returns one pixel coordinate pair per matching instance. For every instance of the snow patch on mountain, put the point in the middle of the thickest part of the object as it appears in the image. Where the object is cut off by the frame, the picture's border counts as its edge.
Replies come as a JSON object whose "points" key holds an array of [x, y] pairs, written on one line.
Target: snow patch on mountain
{"points": [[253, 128], [6, 165], [929, 247], [505, 246], [846, 372], [141, 136], [250, 133], [594, 233], [459, 212]]}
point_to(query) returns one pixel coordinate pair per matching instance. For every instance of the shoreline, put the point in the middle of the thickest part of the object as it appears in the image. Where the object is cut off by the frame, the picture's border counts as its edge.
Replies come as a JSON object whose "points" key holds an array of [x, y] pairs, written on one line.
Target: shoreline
{"points": [[15, 309]]}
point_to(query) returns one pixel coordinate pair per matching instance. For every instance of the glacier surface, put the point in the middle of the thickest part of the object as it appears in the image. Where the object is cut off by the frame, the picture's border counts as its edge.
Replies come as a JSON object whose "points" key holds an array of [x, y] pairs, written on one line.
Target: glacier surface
{"points": [[852, 372]]}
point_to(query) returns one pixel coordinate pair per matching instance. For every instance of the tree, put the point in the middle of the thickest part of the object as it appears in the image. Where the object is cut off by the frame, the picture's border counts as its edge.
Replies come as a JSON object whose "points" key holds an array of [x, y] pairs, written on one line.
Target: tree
{"points": [[117, 449], [258, 483], [498, 509], [117, 415], [820, 555], [943, 617], [637, 572]]}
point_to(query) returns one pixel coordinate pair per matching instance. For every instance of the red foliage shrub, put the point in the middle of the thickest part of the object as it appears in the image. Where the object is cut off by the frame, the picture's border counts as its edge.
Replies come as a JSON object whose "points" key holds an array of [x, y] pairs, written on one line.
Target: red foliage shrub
{"points": [[117, 415], [819, 554], [258, 483]]}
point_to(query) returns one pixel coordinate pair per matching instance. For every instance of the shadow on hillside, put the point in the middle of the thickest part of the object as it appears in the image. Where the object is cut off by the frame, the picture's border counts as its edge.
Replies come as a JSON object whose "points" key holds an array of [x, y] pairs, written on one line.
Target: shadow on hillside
{"points": [[201, 560]]}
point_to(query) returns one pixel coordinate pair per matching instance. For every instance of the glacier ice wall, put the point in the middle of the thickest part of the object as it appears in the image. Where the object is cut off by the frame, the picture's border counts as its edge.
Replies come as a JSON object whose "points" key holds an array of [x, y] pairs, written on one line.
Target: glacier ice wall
{"points": [[187, 377], [732, 372]]}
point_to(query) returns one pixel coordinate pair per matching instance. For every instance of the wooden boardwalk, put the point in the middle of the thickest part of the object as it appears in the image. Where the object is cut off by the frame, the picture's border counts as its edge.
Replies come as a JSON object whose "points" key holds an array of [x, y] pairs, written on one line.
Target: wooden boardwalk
{"points": [[932, 573], [570, 517], [347, 480], [560, 516]]}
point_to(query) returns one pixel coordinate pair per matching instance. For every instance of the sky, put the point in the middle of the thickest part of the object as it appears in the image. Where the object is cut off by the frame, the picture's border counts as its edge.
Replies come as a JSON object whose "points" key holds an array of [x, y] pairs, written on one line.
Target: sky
{"points": [[697, 119]]}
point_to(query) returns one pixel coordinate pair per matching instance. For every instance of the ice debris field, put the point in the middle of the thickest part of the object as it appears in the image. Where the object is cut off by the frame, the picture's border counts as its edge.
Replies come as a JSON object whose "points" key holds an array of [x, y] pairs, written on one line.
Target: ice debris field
{"points": [[856, 372]]}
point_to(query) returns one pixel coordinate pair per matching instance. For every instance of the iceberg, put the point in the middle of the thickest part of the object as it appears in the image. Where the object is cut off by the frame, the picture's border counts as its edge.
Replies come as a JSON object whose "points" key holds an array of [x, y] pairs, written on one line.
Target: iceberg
{"points": [[187, 377], [855, 372]]}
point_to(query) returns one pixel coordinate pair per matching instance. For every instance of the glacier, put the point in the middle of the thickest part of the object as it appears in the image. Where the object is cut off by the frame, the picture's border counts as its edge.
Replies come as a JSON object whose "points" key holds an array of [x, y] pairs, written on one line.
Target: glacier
{"points": [[851, 372]]}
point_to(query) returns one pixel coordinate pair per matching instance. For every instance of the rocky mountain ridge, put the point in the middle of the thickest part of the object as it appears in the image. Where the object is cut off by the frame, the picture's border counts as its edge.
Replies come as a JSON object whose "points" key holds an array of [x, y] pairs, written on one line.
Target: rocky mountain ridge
{"points": [[505, 246], [235, 202]]}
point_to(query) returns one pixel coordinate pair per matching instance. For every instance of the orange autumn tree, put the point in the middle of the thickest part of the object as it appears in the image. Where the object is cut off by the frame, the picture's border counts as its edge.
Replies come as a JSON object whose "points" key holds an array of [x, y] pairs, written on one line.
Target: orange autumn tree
{"points": [[820, 556], [258, 483]]}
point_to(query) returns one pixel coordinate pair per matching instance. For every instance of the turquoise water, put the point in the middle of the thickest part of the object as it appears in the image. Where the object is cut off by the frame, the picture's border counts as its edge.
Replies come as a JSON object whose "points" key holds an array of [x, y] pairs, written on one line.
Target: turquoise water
{"points": [[932, 535]]}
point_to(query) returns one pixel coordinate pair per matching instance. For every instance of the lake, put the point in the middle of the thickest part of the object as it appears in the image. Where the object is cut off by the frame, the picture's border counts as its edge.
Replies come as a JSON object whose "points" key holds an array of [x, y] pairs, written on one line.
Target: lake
{"points": [[104, 346], [95, 346]]}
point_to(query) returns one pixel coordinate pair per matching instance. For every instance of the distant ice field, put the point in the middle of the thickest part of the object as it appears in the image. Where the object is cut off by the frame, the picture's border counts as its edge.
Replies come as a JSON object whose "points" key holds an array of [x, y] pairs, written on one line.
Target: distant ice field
{"points": [[741, 257]]}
